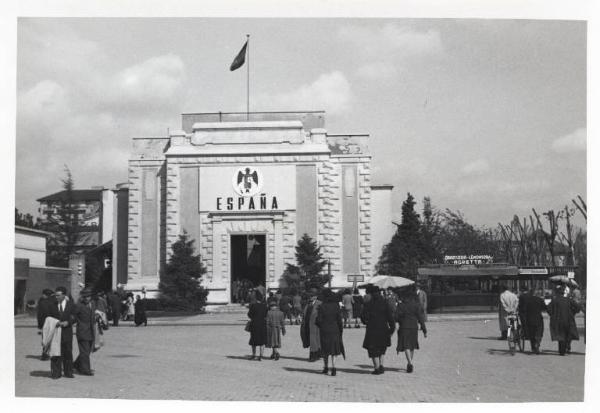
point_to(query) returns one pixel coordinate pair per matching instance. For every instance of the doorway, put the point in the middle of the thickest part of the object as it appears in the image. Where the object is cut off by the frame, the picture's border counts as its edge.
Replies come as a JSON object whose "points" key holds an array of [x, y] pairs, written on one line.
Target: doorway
{"points": [[248, 258]]}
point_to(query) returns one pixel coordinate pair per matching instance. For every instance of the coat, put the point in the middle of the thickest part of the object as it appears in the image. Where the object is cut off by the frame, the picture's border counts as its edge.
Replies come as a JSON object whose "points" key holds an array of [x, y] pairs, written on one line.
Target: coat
{"points": [[257, 314], [508, 304], [85, 316], [329, 321], [378, 316], [530, 313], [410, 316], [309, 332], [51, 337], [68, 315], [275, 328], [140, 312], [562, 312]]}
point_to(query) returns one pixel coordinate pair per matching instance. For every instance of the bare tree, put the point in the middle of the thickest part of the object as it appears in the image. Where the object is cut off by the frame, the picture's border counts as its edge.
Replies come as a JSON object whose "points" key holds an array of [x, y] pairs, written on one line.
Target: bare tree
{"points": [[551, 235], [569, 238], [582, 208]]}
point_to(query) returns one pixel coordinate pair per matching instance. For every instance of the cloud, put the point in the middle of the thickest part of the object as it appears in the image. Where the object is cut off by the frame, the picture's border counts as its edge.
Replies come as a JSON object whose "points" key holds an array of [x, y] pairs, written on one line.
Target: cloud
{"points": [[153, 83], [392, 40], [330, 91], [377, 70], [476, 167], [573, 142]]}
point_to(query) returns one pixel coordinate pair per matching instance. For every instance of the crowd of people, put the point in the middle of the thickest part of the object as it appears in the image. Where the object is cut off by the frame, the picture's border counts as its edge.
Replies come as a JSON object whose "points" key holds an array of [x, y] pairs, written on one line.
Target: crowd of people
{"points": [[325, 314], [57, 314], [529, 307]]}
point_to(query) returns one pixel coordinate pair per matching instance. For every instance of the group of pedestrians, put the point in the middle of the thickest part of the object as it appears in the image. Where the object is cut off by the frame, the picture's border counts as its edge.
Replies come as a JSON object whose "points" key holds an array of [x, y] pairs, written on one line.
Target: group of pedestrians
{"points": [[529, 307], [325, 315], [57, 313]]}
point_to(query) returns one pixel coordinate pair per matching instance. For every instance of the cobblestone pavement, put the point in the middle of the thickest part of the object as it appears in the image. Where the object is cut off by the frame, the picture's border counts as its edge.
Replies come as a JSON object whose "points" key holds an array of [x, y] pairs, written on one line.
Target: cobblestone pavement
{"points": [[204, 358]]}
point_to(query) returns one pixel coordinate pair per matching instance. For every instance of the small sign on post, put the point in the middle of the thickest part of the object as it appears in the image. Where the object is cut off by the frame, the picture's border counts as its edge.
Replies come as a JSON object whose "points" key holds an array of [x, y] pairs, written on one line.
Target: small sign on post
{"points": [[355, 278], [571, 274]]}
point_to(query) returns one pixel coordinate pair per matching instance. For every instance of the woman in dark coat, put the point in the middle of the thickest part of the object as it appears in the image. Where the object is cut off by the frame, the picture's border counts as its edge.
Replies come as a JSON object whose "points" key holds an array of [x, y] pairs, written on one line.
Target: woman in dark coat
{"points": [[357, 307], [409, 315], [140, 312], [329, 321], [378, 317], [257, 314], [562, 312]]}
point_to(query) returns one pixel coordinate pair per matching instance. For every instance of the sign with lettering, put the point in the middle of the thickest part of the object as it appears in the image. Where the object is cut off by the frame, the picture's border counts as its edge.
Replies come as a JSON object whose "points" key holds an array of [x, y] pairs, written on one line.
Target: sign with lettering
{"points": [[353, 278], [468, 259], [247, 188]]}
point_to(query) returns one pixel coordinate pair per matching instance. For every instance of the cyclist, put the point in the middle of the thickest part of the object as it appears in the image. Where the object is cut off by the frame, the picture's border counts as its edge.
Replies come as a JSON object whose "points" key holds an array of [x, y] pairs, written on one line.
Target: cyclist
{"points": [[508, 305]]}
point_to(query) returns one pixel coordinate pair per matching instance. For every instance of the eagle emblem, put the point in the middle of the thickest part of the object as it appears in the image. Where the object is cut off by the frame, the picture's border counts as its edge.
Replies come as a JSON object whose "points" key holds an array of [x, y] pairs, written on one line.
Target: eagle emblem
{"points": [[247, 181]]}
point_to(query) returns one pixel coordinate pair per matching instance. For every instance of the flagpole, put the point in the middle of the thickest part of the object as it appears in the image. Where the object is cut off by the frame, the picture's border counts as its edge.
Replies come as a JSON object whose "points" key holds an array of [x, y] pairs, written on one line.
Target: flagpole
{"points": [[248, 80]]}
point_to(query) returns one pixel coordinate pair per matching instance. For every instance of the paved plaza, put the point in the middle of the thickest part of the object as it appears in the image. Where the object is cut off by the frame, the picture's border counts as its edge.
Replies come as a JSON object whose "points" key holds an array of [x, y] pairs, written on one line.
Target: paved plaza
{"points": [[204, 358]]}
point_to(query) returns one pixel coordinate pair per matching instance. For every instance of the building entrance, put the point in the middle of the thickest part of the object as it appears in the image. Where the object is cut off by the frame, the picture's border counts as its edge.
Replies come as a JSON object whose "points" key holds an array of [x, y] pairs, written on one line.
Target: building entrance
{"points": [[248, 269]]}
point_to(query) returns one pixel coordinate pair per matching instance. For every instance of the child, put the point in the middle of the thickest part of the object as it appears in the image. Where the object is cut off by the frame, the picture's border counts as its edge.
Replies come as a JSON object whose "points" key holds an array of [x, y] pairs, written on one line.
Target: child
{"points": [[275, 329]]}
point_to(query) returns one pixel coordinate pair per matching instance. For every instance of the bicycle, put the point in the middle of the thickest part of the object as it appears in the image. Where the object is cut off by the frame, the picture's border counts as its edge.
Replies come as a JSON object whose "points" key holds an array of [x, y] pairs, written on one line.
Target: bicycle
{"points": [[515, 335]]}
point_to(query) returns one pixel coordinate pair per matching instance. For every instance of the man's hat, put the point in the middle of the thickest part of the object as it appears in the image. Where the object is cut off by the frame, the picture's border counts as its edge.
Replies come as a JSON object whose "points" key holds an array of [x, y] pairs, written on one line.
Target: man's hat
{"points": [[86, 292], [47, 291]]}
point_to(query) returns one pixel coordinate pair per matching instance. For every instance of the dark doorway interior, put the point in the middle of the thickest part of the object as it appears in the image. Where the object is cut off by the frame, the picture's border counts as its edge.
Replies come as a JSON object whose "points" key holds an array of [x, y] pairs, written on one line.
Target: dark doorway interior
{"points": [[248, 259]]}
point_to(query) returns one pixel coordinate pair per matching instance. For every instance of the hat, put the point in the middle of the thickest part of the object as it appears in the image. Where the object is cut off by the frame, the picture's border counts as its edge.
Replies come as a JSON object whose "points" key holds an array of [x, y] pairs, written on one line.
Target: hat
{"points": [[86, 292], [47, 291], [375, 289]]}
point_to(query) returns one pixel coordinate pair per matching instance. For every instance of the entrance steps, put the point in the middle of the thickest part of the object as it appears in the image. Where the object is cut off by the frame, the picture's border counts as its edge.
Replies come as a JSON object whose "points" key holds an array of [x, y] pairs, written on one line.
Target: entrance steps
{"points": [[226, 309]]}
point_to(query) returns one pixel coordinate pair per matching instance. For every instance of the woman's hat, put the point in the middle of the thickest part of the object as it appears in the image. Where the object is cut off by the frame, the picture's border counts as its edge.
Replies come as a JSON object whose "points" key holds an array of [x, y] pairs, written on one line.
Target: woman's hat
{"points": [[86, 292]]}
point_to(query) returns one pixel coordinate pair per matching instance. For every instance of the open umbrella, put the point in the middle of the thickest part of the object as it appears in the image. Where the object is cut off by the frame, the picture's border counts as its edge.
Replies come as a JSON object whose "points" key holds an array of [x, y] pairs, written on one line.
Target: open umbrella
{"points": [[564, 279], [385, 281]]}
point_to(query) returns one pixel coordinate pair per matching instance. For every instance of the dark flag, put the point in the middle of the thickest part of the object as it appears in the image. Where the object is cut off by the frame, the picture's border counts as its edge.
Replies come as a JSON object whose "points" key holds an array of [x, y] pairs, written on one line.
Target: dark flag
{"points": [[239, 59]]}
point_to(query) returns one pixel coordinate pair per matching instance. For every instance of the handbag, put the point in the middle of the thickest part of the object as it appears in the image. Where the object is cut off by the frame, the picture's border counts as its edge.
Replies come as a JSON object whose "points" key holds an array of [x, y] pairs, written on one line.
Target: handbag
{"points": [[248, 325]]}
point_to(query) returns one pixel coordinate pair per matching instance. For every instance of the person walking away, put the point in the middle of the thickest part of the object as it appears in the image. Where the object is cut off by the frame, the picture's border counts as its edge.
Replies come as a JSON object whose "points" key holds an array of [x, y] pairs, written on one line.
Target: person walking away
{"points": [[114, 302], [530, 314], [43, 309], [85, 318], [378, 317], [309, 332], [140, 311], [357, 307], [297, 307], [130, 315], [235, 288], [563, 328], [347, 301], [508, 305], [329, 322], [275, 329], [391, 298], [257, 313], [409, 315], [102, 308], [422, 296], [63, 310], [285, 305], [271, 299]]}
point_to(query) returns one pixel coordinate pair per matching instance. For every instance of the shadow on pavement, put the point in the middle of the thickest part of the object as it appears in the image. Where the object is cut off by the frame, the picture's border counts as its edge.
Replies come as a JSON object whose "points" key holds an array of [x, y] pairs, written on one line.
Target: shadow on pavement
{"points": [[486, 338], [315, 371], [294, 358], [370, 367], [30, 356], [123, 355], [240, 358], [40, 373]]}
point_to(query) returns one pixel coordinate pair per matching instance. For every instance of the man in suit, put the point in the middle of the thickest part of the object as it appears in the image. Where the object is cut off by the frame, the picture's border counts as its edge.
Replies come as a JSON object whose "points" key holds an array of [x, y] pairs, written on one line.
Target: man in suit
{"points": [[63, 310], [43, 310], [114, 301], [85, 318], [530, 313]]}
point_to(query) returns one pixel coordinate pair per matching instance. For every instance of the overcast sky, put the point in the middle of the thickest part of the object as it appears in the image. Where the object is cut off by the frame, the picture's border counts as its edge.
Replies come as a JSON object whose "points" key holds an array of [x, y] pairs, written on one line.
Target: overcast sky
{"points": [[484, 116]]}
